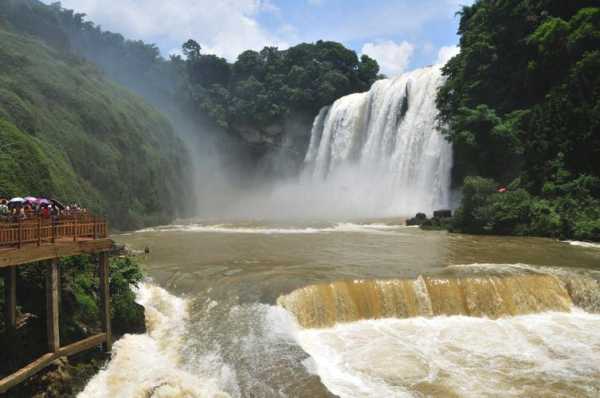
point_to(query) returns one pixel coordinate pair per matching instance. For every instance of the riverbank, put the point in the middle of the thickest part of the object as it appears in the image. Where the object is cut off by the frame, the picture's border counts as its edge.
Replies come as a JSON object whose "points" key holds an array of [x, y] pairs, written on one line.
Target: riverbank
{"points": [[570, 213], [79, 319], [449, 224]]}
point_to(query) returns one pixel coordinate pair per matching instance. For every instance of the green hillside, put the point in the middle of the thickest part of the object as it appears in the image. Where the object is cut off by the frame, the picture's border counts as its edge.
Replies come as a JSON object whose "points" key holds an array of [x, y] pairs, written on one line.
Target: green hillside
{"points": [[522, 107], [67, 132]]}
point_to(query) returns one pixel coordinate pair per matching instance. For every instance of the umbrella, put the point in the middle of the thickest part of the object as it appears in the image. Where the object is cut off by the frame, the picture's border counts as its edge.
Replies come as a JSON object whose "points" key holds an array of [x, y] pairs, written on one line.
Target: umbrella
{"points": [[31, 199], [16, 202], [56, 203], [43, 202]]}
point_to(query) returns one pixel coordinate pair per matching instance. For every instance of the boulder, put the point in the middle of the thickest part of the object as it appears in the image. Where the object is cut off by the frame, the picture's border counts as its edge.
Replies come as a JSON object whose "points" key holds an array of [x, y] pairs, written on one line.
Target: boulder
{"points": [[419, 219]]}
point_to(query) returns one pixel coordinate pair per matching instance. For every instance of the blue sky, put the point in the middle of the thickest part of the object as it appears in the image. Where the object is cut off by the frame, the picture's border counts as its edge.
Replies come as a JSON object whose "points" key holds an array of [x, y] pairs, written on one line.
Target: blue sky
{"points": [[400, 34]]}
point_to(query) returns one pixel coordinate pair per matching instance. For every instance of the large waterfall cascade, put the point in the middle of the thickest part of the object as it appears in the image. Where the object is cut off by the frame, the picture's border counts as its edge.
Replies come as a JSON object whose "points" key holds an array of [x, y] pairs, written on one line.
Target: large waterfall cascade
{"points": [[381, 151]]}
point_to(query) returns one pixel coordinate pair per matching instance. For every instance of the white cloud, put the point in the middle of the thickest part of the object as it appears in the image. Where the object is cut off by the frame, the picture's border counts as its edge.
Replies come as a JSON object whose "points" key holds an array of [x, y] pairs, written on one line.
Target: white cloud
{"points": [[446, 53], [223, 27], [392, 58]]}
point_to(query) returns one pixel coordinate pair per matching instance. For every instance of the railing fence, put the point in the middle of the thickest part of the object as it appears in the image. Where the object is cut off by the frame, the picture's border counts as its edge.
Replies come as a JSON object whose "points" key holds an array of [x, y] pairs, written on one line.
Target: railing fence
{"points": [[40, 230]]}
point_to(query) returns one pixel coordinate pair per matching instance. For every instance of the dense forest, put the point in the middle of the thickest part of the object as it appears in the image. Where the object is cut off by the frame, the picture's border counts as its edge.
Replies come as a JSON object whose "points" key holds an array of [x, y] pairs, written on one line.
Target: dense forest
{"points": [[69, 118], [85, 138], [522, 107], [68, 132], [255, 99]]}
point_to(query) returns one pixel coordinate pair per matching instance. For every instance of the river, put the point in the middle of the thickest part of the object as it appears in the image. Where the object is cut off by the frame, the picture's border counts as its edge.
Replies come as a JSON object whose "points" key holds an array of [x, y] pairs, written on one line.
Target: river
{"points": [[365, 308]]}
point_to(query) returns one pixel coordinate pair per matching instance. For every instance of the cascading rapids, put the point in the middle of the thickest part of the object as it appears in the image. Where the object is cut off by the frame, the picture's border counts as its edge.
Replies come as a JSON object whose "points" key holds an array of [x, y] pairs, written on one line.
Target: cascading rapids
{"points": [[381, 152], [493, 296]]}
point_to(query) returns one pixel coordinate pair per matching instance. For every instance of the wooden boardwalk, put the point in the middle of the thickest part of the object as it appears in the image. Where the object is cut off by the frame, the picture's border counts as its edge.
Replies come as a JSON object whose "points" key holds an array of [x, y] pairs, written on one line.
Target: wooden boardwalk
{"points": [[40, 230], [45, 239]]}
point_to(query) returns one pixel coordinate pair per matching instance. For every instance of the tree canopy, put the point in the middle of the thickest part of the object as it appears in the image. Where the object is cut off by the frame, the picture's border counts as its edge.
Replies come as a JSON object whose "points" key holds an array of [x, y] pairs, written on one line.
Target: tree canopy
{"points": [[262, 87], [521, 102]]}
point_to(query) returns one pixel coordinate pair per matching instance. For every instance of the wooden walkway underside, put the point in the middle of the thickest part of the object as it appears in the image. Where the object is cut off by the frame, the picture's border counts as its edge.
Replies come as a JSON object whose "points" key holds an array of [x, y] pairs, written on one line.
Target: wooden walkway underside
{"points": [[46, 359], [22, 244]]}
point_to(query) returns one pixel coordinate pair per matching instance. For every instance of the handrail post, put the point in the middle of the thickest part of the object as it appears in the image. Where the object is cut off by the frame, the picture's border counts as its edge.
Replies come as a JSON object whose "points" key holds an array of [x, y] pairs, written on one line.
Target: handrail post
{"points": [[53, 233], [20, 232], [75, 229], [39, 230], [95, 226]]}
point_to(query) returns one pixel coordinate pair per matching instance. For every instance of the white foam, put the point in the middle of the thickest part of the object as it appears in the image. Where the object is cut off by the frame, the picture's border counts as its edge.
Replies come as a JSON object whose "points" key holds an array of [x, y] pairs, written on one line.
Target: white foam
{"points": [[589, 245], [150, 365], [234, 229], [380, 152], [549, 354]]}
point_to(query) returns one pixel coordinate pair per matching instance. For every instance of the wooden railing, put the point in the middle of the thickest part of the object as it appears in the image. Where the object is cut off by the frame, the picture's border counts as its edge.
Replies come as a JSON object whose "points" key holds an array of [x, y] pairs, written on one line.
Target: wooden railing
{"points": [[40, 230]]}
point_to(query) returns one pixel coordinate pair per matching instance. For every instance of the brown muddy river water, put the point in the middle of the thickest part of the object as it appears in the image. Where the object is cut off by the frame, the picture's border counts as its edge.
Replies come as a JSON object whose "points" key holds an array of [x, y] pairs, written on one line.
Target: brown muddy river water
{"points": [[358, 309]]}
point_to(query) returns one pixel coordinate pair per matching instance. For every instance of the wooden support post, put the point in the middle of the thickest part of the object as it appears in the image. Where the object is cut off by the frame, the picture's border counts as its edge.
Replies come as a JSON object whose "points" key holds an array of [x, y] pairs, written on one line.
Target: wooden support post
{"points": [[52, 309], [105, 298], [10, 297]]}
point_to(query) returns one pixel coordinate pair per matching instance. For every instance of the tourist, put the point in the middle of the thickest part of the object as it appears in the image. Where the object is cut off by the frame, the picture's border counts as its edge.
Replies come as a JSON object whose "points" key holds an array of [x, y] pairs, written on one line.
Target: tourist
{"points": [[4, 211], [45, 213]]}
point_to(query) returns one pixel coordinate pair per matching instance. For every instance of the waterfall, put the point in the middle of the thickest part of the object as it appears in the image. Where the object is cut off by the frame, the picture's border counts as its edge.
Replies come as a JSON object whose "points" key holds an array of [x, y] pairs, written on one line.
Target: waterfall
{"points": [[491, 296], [380, 152]]}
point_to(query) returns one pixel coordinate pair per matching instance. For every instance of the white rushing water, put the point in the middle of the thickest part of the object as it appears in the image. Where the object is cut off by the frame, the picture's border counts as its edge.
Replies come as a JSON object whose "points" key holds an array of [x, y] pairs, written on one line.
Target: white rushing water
{"points": [[346, 227], [381, 152], [151, 364], [588, 245], [548, 354]]}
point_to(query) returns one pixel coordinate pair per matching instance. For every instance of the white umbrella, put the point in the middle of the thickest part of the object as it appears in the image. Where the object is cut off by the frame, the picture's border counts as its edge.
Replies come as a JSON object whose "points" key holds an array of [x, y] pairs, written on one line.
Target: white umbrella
{"points": [[16, 200]]}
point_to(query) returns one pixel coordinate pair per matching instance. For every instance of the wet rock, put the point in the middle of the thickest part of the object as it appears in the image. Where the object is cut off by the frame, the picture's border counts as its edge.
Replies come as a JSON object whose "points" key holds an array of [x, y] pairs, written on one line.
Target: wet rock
{"points": [[441, 220], [419, 219]]}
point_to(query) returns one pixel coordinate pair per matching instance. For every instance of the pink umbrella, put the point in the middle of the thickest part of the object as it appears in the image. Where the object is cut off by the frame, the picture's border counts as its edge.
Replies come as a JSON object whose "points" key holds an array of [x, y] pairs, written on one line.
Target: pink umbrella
{"points": [[43, 202], [31, 199]]}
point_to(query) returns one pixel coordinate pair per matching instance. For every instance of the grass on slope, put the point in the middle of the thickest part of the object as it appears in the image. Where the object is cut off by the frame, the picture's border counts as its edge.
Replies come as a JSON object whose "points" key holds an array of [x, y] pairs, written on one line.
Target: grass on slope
{"points": [[66, 131]]}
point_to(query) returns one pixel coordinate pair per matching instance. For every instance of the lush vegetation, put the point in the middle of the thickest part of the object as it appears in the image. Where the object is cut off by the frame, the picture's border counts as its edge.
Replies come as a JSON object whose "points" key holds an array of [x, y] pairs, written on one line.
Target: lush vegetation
{"points": [[132, 63], [248, 109], [68, 132], [259, 92], [522, 107], [80, 316], [572, 210], [261, 88]]}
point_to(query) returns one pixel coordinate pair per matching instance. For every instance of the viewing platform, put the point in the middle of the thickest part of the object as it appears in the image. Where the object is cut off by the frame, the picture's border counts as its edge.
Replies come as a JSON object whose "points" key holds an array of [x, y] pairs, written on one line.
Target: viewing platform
{"points": [[47, 239], [39, 239]]}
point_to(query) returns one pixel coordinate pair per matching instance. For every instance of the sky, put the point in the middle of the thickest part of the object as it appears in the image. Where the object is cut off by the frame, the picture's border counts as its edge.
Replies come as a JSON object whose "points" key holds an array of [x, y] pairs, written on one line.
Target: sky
{"points": [[400, 34]]}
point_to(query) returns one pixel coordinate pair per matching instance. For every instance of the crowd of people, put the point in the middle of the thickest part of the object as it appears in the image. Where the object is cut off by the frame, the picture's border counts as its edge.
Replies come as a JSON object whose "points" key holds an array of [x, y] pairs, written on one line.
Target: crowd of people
{"points": [[17, 209]]}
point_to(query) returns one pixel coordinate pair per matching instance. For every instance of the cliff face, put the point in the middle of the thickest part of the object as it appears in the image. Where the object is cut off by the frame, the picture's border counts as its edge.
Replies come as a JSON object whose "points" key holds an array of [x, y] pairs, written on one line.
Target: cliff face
{"points": [[68, 132], [277, 150]]}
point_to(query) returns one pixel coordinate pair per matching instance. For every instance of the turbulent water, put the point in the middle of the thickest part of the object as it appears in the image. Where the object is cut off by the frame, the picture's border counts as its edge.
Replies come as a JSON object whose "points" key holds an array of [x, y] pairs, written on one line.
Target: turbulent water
{"points": [[380, 152], [491, 296], [362, 309]]}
